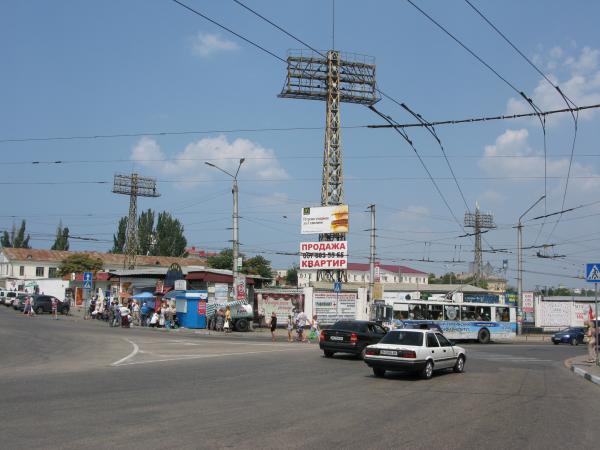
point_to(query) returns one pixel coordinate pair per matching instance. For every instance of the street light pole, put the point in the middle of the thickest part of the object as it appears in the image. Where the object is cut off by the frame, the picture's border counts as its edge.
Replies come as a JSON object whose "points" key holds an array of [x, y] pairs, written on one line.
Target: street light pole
{"points": [[520, 268], [235, 217]]}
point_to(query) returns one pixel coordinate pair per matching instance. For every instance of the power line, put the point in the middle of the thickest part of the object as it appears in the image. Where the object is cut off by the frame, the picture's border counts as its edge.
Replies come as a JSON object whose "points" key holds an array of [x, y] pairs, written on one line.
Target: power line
{"points": [[229, 30]]}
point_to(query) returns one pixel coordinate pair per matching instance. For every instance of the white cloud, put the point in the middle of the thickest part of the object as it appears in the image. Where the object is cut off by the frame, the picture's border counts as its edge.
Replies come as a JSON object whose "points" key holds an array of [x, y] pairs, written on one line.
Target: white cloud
{"points": [[492, 196], [578, 77], [496, 161], [411, 213], [189, 164], [207, 44]]}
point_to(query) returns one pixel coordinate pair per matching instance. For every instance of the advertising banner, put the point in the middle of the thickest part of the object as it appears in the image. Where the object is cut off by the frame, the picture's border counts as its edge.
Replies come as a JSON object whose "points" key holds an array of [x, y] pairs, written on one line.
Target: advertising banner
{"points": [[330, 306], [240, 288], [324, 255], [527, 302], [221, 293], [324, 219], [282, 304]]}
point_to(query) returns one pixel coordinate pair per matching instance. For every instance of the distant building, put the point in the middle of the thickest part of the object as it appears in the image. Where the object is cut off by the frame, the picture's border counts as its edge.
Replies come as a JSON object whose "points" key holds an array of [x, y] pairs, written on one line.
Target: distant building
{"points": [[360, 273], [21, 266]]}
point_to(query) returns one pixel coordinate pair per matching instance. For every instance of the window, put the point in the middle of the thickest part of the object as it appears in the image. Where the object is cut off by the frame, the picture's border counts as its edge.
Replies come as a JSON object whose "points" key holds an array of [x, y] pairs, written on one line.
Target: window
{"points": [[52, 272], [22, 270], [417, 312], [452, 312], [401, 315], [403, 338], [373, 328], [476, 313], [443, 341], [432, 341], [435, 312], [39, 271], [502, 314]]}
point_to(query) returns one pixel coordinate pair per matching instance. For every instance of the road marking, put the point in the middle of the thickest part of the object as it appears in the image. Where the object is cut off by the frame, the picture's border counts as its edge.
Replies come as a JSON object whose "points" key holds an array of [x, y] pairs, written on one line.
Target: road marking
{"points": [[135, 351], [187, 357]]}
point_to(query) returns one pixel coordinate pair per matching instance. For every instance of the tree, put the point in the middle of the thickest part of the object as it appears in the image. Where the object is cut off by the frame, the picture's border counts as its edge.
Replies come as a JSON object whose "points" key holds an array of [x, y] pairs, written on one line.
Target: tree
{"points": [[79, 262], [62, 238], [119, 238], [16, 238], [224, 260], [291, 276], [146, 232], [170, 240], [258, 265]]}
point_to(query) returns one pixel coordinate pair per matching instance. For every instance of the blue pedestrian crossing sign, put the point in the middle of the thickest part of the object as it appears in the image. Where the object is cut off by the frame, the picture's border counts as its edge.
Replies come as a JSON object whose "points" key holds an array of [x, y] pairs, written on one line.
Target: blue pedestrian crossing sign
{"points": [[87, 280], [592, 272], [337, 286]]}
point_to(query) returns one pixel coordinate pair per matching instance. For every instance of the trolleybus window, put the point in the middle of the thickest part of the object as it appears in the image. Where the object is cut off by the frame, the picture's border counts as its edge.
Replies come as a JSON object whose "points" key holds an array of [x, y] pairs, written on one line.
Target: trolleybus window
{"points": [[502, 314], [435, 312], [473, 313], [452, 312]]}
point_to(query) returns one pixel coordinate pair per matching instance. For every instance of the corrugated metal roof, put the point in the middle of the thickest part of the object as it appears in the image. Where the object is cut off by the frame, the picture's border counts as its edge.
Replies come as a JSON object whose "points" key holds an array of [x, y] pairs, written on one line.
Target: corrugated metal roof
{"points": [[114, 259]]}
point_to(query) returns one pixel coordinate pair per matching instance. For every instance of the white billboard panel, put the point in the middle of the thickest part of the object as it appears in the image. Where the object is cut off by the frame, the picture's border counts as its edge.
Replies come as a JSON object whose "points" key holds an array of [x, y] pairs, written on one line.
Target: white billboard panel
{"points": [[324, 255], [324, 219], [331, 307]]}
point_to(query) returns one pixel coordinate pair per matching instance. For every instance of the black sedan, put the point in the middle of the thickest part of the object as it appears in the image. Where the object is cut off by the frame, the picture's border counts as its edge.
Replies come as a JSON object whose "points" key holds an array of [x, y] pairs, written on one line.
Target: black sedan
{"points": [[43, 304], [573, 336], [350, 336]]}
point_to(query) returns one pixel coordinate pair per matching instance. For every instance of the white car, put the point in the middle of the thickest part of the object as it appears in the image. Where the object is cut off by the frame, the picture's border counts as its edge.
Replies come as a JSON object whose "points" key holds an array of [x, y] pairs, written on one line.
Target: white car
{"points": [[421, 351]]}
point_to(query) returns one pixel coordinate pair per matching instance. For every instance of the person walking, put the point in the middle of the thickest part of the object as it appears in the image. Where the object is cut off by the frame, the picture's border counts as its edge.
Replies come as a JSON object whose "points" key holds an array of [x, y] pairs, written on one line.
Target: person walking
{"points": [[144, 310], [117, 321], [591, 335], [290, 328], [273, 325], [136, 313], [301, 325], [54, 303], [154, 320], [161, 316], [168, 316], [27, 308], [314, 329]]}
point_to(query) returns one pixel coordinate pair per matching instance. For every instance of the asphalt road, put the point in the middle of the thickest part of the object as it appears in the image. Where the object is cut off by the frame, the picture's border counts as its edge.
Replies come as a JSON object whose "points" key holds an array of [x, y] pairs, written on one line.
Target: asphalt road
{"points": [[77, 385]]}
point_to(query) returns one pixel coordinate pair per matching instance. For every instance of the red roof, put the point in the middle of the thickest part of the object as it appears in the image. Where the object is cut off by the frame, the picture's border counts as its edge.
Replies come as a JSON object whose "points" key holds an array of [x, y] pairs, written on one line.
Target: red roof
{"points": [[360, 267]]}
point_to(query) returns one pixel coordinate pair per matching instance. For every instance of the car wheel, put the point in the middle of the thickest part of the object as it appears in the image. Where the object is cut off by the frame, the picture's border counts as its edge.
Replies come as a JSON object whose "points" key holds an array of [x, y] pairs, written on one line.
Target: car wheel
{"points": [[39, 310], [459, 367], [242, 325], [427, 371], [574, 341], [483, 336], [378, 372], [328, 353], [555, 343]]}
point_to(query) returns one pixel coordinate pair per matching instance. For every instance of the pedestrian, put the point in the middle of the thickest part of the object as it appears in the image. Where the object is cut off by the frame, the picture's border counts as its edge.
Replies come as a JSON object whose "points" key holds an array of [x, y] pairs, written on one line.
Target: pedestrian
{"points": [[168, 318], [144, 310], [117, 321], [273, 325], [111, 314], [161, 316], [54, 303], [220, 321], [301, 326], [27, 308], [290, 327], [136, 313], [591, 334], [227, 325], [154, 320], [314, 329]]}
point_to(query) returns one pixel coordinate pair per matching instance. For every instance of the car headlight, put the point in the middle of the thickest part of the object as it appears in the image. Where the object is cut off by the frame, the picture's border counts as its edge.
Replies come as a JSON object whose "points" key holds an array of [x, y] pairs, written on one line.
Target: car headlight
{"points": [[567, 336]]}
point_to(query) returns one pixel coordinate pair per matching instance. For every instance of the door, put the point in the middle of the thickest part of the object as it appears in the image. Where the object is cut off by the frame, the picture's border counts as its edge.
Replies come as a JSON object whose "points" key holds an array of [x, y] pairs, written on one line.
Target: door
{"points": [[434, 350], [376, 333], [448, 356]]}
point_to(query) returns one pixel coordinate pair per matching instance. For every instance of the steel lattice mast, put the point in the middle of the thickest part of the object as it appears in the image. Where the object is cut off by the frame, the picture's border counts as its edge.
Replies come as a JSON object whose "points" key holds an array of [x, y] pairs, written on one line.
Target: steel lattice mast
{"points": [[333, 78], [134, 186], [478, 222]]}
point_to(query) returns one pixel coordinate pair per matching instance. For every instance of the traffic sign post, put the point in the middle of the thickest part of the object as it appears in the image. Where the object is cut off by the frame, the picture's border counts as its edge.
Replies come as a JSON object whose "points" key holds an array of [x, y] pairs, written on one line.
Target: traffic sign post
{"points": [[592, 275], [88, 279], [337, 288]]}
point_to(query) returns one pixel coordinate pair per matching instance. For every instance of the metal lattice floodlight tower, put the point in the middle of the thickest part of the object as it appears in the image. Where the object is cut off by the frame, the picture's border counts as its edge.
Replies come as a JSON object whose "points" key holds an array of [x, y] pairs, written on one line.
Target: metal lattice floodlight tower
{"points": [[478, 222], [333, 78], [134, 186]]}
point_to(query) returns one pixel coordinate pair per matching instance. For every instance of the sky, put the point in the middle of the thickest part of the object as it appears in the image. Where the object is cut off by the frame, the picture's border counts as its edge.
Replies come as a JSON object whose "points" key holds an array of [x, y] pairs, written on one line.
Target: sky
{"points": [[79, 69]]}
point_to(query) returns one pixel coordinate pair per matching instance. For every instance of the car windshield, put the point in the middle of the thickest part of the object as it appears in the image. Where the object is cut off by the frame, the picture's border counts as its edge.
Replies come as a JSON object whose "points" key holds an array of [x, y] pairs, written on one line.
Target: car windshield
{"points": [[349, 326], [403, 338]]}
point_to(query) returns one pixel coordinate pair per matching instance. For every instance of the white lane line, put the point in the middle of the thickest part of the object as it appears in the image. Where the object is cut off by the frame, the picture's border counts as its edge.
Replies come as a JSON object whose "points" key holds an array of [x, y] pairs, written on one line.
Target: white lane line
{"points": [[135, 351], [217, 355]]}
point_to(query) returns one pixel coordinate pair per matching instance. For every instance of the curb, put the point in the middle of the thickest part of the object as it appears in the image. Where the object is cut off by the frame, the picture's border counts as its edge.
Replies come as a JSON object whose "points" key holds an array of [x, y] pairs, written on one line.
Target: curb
{"points": [[582, 373]]}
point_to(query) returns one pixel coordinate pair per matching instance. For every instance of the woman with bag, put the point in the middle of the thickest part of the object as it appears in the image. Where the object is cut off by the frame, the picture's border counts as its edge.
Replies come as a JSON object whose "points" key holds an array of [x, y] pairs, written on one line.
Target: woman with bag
{"points": [[273, 325], [227, 319], [290, 328], [314, 329]]}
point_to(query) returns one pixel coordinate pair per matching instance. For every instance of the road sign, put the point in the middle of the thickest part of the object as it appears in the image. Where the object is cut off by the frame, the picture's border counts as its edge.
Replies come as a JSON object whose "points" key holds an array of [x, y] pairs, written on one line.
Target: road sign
{"points": [[87, 280], [337, 286], [592, 272]]}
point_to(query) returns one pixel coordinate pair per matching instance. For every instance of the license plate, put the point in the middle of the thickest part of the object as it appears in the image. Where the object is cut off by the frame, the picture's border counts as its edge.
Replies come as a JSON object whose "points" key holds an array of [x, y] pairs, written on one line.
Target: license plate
{"points": [[388, 352], [336, 338]]}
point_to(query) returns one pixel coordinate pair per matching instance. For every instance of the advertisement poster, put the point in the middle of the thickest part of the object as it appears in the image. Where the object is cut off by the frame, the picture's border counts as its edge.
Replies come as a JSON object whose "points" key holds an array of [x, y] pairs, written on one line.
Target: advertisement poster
{"points": [[240, 288], [282, 304], [201, 308], [324, 255], [527, 302], [330, 307], [324, 219], [221, 293]]}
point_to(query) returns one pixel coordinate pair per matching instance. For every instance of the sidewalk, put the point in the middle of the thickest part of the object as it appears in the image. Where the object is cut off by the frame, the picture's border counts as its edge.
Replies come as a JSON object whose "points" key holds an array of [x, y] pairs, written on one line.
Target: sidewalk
{"points": [[589, 371]]}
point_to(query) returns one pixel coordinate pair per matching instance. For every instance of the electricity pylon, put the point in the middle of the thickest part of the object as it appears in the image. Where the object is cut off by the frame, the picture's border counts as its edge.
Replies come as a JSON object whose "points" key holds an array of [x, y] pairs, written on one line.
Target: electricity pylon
{"points": [[333, 78], [134, 186], [478, 222]]}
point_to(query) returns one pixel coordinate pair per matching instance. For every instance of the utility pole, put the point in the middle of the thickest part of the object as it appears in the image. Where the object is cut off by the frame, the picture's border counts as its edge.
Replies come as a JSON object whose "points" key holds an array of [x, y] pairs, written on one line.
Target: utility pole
{"points": [[478, 221], [372, 254], [134, 186], [520, 267], [333, 79], [235, 217]]}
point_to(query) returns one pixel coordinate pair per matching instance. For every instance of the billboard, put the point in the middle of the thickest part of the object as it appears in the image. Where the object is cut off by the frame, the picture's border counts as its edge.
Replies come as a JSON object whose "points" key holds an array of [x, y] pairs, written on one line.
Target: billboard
{"points": [[324, 219], [527, 302], [324, 255], [330, 306], [283, 304]]}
